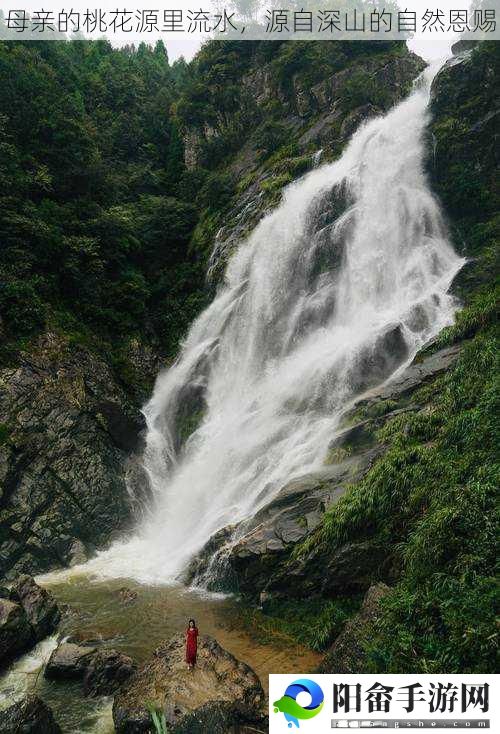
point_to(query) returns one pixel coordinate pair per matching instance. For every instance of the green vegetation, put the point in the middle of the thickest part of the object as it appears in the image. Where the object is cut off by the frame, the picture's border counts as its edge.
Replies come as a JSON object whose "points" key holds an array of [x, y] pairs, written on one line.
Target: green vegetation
{"points": [[314, 623], [4, 433], [362, 89], [213, 95], [158, 718], [105, 237], [94, 228], [432, 499]]}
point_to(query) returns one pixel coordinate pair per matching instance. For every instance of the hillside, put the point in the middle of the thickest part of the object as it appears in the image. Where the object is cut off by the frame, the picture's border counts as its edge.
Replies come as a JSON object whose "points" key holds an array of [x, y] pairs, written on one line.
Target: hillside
{"points": [[107, 222], [406, 504], [126, 182]]}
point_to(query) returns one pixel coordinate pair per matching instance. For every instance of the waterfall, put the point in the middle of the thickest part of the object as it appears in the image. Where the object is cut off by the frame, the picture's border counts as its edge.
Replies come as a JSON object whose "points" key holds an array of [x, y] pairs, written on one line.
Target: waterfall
{"points": [[332, 293]]}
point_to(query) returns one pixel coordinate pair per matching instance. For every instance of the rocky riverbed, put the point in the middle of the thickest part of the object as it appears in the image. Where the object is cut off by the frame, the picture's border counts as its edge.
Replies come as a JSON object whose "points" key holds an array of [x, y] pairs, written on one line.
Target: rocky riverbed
{"points": [[119, 627]]}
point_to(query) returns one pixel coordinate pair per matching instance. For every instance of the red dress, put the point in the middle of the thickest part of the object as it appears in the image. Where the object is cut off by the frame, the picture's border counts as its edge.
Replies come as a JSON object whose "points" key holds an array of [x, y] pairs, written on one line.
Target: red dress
{"points": [[191, 645]]}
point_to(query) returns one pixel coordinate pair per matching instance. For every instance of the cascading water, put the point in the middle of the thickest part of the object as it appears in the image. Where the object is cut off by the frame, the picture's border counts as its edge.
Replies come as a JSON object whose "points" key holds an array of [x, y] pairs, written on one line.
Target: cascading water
{"points": [[332, 293]]}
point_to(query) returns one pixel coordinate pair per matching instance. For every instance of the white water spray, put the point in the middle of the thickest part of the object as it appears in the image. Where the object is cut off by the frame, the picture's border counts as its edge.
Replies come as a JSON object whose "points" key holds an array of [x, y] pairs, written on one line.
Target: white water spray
{"points": [[331, 294]]}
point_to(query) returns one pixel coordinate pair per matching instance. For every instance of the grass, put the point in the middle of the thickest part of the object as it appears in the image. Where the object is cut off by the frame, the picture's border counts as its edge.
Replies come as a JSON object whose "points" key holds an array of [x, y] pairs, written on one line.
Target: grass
{"points": [[313, 623], [158, 718], [433, 499]]}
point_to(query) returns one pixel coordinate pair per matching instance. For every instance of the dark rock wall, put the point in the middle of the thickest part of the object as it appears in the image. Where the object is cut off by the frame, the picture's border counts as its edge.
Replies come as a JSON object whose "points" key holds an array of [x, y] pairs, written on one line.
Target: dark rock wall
{"points": [[69, 430]]}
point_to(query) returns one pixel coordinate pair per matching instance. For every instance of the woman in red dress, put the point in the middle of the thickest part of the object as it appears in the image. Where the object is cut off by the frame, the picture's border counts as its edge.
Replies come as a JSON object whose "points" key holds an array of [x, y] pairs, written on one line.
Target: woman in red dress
{"points": [[191, 643]]}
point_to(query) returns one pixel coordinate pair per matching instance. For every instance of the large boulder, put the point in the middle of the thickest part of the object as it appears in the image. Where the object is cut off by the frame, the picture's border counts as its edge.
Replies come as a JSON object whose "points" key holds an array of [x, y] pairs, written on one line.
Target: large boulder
{"points": [[106, 672], [184, 695], [16, 633], [40, 606], [217, 717], [102, 670], [29, 614], [69, 661], [28, 716], [348, 652]]}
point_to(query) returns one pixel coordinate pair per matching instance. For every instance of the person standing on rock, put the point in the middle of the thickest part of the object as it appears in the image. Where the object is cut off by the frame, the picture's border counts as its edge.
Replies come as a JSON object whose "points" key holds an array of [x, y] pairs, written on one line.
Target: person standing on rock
{"points": [[191, 643]]}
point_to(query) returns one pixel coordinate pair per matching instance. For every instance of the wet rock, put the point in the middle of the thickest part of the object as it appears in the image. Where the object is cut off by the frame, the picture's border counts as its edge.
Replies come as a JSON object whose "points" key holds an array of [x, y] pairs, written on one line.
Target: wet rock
{"points": [[69, 661], [40, 606], [107, 670], [218, 678], [16, 633], [267, 539], [216, 718], [463, 46], [77, 553], [352, 567], [28, 716], [257, 556], [62, 468], [353, 120], [102, 670], [347, 570], [421, 371], [347, 654]]}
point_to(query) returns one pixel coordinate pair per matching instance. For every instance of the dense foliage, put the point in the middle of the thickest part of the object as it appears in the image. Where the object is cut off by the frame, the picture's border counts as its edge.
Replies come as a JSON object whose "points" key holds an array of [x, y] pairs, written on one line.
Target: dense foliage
{"points": [[93, 225], [213, 93]]}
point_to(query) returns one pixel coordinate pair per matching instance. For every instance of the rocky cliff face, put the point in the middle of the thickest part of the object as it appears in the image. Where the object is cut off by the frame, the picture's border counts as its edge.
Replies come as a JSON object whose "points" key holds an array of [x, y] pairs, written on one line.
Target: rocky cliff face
{"points": [[262, 560], [312, 123], [312, 114], [69, 431]]}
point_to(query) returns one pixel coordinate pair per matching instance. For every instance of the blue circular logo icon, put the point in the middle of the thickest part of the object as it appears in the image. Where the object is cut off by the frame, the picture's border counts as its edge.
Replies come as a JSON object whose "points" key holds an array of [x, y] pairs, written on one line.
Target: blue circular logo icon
{"points": [[292, 710]]}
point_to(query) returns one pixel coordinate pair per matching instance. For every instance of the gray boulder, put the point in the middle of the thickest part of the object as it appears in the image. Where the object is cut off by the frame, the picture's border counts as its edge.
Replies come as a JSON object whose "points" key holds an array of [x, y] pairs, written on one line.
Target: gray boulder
{"points": [[16, 633], [40, 606], [102, 670], [106, 672], [218, 680], [69, 661]]}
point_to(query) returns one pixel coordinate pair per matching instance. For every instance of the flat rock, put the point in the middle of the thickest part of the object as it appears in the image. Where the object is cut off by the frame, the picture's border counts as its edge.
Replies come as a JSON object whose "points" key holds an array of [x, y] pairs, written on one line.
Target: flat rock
{"points": [[69, 661], [28, 716], [165, 681], [416, 374], [40, 606]]}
